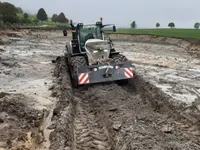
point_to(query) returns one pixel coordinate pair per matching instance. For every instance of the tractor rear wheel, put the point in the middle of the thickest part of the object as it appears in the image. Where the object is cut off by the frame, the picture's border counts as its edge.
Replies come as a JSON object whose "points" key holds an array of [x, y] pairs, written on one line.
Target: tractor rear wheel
{"points": [[118, 58], [75, 63]]}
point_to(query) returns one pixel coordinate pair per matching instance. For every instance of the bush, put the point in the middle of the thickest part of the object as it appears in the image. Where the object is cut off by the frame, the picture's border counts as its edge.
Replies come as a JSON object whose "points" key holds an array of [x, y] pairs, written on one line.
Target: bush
{"points": [[1, 24]]}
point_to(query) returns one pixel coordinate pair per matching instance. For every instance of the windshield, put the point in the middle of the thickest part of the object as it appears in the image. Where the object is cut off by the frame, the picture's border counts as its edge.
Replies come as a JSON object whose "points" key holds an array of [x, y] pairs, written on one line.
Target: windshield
{"points": [[89, 32]]}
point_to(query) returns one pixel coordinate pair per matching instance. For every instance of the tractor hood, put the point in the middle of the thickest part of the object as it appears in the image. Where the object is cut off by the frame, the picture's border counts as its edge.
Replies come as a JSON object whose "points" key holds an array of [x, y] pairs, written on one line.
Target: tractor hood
{"points": [[97, 50]]}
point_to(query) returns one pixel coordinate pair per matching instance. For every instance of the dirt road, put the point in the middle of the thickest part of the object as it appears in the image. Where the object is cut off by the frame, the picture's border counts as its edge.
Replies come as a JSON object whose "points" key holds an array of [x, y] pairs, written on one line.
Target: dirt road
{"points": [[40, 110]]}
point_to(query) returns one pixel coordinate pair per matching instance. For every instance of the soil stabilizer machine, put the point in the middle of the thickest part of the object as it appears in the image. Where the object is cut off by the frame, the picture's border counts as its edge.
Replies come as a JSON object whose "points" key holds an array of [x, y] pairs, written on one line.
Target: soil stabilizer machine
{"points": [[92, 58]]}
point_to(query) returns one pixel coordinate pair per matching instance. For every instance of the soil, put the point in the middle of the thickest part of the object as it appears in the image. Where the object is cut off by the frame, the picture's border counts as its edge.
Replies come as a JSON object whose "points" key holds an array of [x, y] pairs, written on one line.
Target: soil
{"points": [[25, 99], [168, 67], [192, 46], [7, 36], [39, 109], [112, 116]]}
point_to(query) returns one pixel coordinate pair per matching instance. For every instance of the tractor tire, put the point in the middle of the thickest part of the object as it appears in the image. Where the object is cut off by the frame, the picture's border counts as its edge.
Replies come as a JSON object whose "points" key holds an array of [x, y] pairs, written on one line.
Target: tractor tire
{"points": [[75, 63], [118, 58]]}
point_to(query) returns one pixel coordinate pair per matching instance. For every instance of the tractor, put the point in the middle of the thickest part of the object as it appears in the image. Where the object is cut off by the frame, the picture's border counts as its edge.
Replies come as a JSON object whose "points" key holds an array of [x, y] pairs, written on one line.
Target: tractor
{"points": [[92, 58]]}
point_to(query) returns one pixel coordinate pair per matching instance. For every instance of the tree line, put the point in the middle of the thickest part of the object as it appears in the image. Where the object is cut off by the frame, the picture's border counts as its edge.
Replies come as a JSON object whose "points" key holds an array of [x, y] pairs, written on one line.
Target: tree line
{"points": [[12, 14], [171, 25]]}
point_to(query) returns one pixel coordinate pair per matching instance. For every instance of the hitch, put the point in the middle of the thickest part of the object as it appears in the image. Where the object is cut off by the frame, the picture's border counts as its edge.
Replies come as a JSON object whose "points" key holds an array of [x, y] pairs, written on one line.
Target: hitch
{"points": [[107, 73]]}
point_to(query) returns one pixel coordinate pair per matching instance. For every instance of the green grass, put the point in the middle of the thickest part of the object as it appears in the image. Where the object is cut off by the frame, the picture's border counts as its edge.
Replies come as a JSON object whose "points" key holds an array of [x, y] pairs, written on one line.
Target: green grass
{"points": [[45, 25], [178, 33]]}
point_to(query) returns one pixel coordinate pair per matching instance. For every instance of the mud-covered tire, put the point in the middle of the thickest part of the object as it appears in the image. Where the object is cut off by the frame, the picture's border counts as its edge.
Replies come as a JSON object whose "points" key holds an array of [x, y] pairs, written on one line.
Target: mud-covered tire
{"points": [[78, 61], [75, 63], [118, 58]]}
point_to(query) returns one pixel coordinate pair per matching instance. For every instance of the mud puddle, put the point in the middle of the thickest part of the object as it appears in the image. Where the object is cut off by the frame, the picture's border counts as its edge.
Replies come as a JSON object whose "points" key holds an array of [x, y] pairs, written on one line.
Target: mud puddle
{"points": [[111, 116]]}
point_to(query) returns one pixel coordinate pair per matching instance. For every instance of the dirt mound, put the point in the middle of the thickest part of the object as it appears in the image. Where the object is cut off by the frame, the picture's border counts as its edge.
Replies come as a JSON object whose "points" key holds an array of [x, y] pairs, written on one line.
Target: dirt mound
{"points": [[4, 39], [12, 33], [194, 47], [6, 34]]}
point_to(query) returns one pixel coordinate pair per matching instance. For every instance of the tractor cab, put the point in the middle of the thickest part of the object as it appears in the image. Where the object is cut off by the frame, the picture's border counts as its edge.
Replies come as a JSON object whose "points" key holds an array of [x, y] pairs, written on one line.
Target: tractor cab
{"points": [[87, 32], [82, 33]]}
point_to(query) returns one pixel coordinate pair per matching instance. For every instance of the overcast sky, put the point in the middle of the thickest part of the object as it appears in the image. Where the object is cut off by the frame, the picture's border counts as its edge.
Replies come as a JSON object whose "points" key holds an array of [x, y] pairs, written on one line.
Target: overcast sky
{"points": [[184, 13]]}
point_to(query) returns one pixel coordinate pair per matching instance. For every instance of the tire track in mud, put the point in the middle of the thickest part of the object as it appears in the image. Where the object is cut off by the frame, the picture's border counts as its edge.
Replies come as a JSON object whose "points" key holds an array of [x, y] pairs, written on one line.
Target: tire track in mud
{"points": [[111, 116], [87, 132]]}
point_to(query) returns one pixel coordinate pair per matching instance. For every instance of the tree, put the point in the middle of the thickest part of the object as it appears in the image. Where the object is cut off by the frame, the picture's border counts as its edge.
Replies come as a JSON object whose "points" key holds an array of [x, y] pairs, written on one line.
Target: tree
{"points": [[197, 25], [20, 18], [8, 12], [133, 25], [35, 21], [157, 25], [25, 16], [19, 10], [1, 5], [54, 18], [171, 25], [61, 18], [41, 15]]}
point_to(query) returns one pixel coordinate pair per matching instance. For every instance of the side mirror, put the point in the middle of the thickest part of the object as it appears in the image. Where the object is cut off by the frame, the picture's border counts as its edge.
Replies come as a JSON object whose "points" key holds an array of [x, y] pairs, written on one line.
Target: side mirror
{"points": [[114, 28]]}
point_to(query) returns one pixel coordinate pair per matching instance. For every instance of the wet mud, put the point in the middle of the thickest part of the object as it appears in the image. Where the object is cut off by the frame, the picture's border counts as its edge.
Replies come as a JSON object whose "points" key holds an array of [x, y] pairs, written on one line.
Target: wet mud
{"points": [[39, 109], [112, 116]]}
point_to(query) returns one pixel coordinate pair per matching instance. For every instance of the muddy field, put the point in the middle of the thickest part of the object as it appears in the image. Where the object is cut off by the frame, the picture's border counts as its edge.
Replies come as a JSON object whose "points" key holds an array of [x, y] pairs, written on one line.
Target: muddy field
{"points": [[168, 67], [40, 110]]}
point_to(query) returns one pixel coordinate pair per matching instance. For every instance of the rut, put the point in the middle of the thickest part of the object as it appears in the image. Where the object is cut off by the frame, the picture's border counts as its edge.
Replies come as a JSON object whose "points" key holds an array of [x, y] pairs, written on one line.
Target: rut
{"points": [[88, 134]]}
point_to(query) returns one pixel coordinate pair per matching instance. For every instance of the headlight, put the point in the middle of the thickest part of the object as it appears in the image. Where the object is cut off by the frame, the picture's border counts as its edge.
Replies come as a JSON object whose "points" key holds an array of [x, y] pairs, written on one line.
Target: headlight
{"points": [[95, 51]]}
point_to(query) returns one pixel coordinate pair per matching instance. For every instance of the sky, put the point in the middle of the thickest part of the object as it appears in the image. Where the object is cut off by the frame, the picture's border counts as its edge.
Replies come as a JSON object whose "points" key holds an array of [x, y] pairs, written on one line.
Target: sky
{"points": [[146, 13]]}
